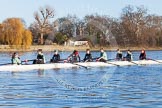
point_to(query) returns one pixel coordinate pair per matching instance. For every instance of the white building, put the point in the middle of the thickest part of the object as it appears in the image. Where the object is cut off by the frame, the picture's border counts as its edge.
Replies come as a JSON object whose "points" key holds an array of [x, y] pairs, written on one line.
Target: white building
{"points": [[76, 43]]}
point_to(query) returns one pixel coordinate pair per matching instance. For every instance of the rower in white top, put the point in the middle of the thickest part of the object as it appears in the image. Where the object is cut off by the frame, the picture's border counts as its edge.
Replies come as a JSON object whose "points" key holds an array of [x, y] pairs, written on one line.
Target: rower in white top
{"points": [[103, 56], [15, 59]]}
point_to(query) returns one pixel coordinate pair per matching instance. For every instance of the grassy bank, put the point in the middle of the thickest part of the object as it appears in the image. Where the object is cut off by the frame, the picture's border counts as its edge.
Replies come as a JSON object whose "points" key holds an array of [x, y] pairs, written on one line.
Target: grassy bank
{"points": [[70, 48]]}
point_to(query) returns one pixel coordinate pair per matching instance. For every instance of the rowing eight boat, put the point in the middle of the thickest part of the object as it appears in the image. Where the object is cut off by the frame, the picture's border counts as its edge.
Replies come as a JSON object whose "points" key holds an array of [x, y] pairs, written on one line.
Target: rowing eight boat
{"points": [[70, 65]]}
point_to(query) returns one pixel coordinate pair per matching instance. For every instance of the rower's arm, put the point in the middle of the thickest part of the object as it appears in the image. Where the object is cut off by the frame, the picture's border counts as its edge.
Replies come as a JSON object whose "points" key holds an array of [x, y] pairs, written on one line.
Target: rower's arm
{"points": [[69, 57], [140, 56], [91, 56], [59, 57], [53, 57], [79, 58], [85, 57], [44, 59], [131, 56]]}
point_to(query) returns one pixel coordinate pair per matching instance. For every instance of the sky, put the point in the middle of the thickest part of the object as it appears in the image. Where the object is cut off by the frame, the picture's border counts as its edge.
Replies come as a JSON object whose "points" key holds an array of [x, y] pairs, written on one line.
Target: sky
{"points": [[25, 8]]}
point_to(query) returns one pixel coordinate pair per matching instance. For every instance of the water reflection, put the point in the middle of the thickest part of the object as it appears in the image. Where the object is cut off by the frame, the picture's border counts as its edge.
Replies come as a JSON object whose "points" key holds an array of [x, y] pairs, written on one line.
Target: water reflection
{"points": [[40, 72]]}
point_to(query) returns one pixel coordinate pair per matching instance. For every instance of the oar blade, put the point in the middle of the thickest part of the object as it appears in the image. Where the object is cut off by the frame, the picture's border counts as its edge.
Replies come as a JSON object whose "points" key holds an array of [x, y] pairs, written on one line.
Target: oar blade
{"points": [[86, 67], [112, 63]]}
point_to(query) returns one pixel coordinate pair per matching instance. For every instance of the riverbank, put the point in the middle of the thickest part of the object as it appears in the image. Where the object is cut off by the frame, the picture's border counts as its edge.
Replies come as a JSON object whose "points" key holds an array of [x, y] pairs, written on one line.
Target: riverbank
{"points": [[5, 48]]}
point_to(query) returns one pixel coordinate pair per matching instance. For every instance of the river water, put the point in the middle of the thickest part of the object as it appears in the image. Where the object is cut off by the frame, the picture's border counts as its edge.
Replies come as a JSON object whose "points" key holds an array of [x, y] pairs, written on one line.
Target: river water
{"points": [[106, 87]]}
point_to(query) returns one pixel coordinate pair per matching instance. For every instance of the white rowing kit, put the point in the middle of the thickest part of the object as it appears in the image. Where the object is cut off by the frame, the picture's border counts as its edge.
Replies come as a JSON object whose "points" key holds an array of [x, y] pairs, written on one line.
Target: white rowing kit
{"points": [[80, 64]]}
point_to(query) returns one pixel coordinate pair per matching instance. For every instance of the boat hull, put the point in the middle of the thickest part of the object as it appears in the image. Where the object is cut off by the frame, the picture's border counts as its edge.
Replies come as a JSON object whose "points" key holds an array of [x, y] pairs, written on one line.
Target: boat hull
{"points": [[81, 64]]}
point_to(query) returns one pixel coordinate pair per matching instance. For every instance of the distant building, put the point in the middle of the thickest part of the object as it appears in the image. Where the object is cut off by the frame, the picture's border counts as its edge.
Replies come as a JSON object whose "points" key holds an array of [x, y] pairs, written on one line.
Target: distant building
{"points": [[76, 43]]}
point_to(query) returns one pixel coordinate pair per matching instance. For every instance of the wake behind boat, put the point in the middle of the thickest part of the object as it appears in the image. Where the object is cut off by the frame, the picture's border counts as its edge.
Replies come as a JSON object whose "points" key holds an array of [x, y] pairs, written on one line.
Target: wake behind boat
{"points": [[80, 64]]}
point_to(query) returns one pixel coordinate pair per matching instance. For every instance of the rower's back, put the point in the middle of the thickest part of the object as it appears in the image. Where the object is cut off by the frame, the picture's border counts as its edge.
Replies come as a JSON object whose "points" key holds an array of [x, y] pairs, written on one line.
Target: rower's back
{"points": [[56, 57], [119, 55], [129, 56], [142, 55]]}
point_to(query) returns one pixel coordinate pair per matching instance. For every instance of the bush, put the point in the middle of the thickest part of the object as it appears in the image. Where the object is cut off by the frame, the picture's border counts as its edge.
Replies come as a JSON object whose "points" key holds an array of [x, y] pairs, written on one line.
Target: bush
{"points": [[60, 38]]}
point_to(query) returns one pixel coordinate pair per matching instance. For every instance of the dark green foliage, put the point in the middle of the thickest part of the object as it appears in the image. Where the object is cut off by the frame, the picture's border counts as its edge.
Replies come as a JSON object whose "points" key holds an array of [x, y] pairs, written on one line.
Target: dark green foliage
{"points": [[60, 38]]}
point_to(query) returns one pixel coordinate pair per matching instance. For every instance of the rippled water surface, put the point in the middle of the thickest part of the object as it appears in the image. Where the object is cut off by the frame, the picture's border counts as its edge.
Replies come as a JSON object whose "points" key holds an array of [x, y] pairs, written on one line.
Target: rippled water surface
{"points": [[103, 87]]}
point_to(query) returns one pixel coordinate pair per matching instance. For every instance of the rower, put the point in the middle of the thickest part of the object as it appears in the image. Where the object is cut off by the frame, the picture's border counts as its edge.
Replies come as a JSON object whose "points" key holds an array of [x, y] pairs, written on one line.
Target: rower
{"points": [[103, 56], [88, 56], [74, 57], [119, 55], [15, 59], [142, 55], [40, 58], [128, 56], [56, 57]]}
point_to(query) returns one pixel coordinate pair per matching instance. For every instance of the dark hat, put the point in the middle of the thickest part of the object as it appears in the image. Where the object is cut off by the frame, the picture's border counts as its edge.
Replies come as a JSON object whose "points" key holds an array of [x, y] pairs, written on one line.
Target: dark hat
{"points": [[55, 50], [39, 50], [74, 51]]}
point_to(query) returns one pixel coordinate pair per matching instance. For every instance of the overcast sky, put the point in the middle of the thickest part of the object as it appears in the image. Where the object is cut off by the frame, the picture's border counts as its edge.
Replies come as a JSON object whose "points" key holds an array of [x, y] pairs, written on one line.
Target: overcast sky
{"points": [[26, 8]]}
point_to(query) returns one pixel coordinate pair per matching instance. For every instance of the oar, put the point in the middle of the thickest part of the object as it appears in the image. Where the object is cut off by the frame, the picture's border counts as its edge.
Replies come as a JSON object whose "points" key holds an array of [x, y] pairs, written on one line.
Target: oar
{"points": [[25, 61], [80, 65], [63, 60], [133, 62], [5, 64], [153, 60], [107, 61], [90, 59], [59, 61], [21, 62], [95, 58], [28, 60], [112, 59], [111, 63], [75, 64]]}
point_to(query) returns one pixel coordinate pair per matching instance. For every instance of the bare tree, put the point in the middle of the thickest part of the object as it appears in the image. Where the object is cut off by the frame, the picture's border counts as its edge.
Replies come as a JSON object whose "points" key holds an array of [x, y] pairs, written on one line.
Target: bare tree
{"points": [[133, 21], [42, 18]]}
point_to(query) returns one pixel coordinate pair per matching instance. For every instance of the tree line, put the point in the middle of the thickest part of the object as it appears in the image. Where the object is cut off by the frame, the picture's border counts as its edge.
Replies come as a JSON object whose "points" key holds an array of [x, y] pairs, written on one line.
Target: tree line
{"points": [[135, 27]]}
